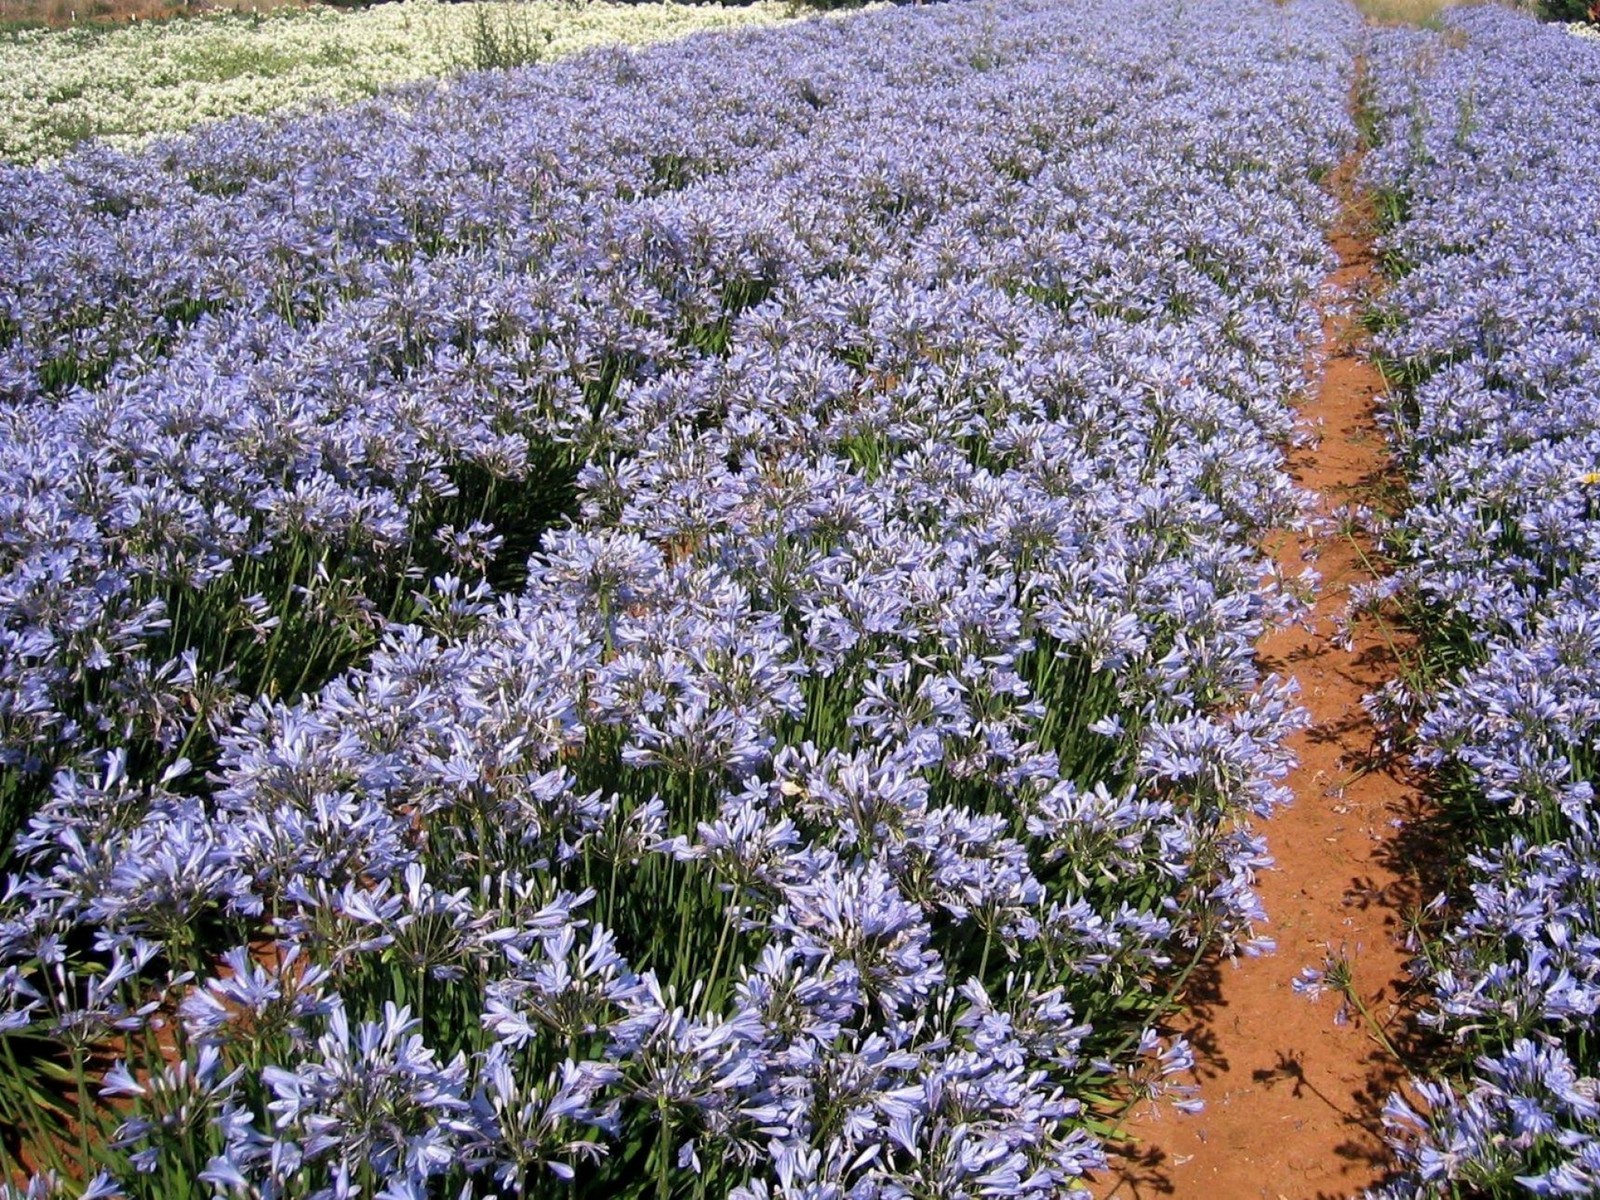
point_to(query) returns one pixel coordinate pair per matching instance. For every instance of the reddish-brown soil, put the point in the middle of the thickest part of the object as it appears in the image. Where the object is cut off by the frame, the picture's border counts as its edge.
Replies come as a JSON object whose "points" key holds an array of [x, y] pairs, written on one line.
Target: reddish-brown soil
{"points": [[67, 14], [1292, 1096]]}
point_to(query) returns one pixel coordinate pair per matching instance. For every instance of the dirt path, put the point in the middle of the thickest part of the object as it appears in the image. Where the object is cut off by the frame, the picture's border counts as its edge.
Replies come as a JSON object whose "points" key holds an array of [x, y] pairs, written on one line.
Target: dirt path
{"points": [[1293, 1097]]}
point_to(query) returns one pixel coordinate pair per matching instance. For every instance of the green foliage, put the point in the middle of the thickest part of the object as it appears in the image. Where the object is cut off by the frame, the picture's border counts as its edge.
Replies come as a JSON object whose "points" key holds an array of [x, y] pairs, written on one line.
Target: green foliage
{"points": [[984, 55], [1566, 10], [221, 62], [504, 38]]}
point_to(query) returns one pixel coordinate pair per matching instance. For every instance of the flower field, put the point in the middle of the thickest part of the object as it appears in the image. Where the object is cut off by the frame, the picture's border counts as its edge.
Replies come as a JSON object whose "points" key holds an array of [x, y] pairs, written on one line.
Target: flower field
{"points": [[1492, 329], [889, 407], [682, 622], [125, 86]]}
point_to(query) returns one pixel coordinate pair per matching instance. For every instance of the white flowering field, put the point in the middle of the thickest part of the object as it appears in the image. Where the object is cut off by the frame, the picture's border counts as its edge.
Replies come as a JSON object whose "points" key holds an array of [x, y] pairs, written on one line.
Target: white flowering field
{"points": [[679, 622], [125, 85]]}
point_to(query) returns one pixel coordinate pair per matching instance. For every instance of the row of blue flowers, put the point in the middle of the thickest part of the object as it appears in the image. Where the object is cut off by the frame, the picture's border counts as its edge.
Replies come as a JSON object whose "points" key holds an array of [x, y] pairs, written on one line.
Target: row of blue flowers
{"points": [[1493, 327]]}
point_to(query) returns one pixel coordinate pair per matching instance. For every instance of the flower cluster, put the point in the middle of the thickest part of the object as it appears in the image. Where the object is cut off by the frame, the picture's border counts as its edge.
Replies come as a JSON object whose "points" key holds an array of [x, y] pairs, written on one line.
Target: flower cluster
{"points": [[1491, 325], [677, 623], [127, 85]]}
